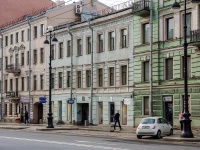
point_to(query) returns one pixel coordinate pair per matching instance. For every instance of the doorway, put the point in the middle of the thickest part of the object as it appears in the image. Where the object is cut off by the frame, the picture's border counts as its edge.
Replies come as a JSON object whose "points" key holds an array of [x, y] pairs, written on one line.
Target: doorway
{"points": [[124, 113], [100, 112], [112, 111], [168, 109], [82, 112]]}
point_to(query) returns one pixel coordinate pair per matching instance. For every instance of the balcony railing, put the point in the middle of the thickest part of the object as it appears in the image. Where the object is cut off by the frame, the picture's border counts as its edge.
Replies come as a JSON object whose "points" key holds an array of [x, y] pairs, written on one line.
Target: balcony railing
{"points": [[13, 68], [141, 7], [11, 94], [195, 36]]}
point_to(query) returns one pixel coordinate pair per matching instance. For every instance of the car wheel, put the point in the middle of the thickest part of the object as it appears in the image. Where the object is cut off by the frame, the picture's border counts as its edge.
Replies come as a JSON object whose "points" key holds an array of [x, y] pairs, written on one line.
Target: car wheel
{"points": [[171, 132], [139, 136], [158, 134]]}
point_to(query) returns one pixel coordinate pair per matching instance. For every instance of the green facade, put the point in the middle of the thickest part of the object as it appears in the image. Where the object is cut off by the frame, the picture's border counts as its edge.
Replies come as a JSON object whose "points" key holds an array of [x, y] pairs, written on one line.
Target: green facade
{"points": [[164, 88]]}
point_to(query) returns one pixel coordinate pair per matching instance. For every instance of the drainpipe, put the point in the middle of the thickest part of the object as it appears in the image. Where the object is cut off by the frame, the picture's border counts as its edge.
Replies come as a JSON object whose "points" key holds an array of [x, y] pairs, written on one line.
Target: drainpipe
{"points": [[151, 47], [1, 71], [71, 71], [91, 83], [29, 69]]}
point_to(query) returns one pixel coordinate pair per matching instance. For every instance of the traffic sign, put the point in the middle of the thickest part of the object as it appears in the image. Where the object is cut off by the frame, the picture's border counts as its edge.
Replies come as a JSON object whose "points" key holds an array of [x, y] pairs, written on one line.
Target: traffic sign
{"points": [[70, 101], [42, 99]]}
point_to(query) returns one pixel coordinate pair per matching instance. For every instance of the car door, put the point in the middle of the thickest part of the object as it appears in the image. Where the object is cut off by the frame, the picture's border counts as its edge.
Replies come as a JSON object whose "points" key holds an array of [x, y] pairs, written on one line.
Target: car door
{"points": [[165, 126], [160, 125], [168, 126]]}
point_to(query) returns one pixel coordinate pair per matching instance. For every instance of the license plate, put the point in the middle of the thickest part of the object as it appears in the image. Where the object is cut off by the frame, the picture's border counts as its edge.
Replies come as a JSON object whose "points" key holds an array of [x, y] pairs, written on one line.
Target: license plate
{"points": [[145, 127]]}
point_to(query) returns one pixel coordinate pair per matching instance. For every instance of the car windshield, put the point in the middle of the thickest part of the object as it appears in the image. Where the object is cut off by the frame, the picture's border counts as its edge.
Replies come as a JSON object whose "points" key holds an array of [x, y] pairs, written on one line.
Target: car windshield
{"points": [[148, 121]]}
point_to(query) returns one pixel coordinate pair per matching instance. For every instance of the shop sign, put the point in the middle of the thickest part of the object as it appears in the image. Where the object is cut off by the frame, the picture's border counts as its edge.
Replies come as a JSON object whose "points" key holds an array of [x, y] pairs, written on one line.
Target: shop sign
{"points": [[25, 100], [127, 101], [42, 100], [167, 99]]}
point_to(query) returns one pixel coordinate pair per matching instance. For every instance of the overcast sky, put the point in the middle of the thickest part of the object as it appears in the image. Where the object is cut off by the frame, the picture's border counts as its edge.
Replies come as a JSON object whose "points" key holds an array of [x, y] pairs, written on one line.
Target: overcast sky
{"points": [[108, 2]]}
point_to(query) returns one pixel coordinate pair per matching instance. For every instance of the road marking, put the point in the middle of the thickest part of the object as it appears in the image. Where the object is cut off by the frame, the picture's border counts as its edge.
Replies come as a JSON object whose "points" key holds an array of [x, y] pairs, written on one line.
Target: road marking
{"points": [[64, 143], [94, 142]]}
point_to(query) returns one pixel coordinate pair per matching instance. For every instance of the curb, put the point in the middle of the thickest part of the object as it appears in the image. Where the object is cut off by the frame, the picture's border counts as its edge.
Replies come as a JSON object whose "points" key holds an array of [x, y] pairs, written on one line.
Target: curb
{"points": [[52, 129], [179, 139]]}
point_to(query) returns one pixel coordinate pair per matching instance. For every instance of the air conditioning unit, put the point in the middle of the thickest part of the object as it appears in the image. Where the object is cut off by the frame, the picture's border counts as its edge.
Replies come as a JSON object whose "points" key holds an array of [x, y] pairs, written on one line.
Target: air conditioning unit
{"points": [[78, 9]]}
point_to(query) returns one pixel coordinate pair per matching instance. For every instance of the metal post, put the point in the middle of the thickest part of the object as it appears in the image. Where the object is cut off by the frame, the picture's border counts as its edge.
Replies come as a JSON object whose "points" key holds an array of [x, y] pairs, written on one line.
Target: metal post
{"points": [[151, 47], [71, 71], [187, 132], [91, 82], [1, 72], [50, 123], [29, 69]]}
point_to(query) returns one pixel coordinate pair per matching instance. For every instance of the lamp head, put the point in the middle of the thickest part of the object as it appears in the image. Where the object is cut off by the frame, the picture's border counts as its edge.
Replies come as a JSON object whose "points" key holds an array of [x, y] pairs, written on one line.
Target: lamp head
{"points": [[46, 42], [176, 5], [50, 28]]}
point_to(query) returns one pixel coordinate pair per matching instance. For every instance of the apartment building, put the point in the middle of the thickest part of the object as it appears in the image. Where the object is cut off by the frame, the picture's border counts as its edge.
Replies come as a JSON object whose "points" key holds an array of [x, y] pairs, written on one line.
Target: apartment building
{"points": [[112, 46], [167, 66], [25, 60]]}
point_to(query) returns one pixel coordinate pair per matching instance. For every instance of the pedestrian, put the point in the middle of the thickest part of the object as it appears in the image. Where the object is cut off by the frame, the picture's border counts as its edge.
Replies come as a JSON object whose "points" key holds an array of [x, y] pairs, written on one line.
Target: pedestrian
{"points": [[26, 117], [116, 117], [181, 120]]}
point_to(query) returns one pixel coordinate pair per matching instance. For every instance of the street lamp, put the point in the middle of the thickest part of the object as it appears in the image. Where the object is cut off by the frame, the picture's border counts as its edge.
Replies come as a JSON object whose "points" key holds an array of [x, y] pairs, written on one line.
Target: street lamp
{"points": [[187, 132], [50, 30]]}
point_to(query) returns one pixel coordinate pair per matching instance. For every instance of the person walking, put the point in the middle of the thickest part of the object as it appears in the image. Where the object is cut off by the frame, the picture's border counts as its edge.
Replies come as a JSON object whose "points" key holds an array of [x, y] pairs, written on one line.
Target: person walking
{"points": [[26, 117], [181, 120], [116, 117]]}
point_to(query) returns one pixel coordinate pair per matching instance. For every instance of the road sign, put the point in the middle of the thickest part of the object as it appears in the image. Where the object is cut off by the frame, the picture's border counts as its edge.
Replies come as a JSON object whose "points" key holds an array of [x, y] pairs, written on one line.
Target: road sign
{"points": [[42, 99], [70, 101]]}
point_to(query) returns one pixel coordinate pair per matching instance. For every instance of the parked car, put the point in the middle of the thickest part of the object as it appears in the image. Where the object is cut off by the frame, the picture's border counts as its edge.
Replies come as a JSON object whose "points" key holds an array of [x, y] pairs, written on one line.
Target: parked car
{"points": [[154, 126]]}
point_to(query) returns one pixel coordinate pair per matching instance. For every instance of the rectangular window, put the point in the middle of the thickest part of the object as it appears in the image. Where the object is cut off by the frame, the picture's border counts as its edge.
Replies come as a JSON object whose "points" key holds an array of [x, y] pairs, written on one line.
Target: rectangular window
{"points": [[35, 57], [11, 59], [35, 32], [60, 50], [22, 36], [88, 45], [111, 69], [11, 39], [41, 29], [145, 105], [169, 68], [146, 33], [22, 59], [35, 82], [22, 83], [79, 47], [17, 37], [68, 48], [60, 79], [11, 84], [28, 34], [6, 85], [188, 67], [111, 40], [88, 78], [5, 109], [41, 55], [27, 57], [52, 52], [100, 37], [6, 41], [146, 71], [52, 80], [124, 75], [124, 38], [170, 28], [79, 79], [27, 83], [68, 78], [41, 82], [100, 71]]}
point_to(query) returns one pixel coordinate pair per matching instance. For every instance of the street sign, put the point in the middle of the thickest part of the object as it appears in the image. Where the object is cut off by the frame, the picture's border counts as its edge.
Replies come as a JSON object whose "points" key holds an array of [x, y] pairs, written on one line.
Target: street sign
{"points": [[70, 101], [42, 99]]}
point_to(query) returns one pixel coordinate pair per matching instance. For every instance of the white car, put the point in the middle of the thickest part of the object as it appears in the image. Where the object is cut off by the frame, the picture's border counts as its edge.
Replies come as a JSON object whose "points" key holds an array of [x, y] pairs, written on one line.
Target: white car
{"points": [[154, 126]]}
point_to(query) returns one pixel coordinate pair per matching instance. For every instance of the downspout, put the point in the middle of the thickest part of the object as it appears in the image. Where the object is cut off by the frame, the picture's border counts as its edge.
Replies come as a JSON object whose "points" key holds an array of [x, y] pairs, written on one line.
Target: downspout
{"points": [[71, 70], [29, 69], [151, 47], [91, 83], [1, 70]]}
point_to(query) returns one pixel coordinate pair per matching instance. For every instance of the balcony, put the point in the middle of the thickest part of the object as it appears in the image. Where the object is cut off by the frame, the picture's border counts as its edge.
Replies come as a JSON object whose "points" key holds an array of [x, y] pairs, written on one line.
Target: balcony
{"points": [[141, 8], [195, 39], [13, 68], [12, 95]]}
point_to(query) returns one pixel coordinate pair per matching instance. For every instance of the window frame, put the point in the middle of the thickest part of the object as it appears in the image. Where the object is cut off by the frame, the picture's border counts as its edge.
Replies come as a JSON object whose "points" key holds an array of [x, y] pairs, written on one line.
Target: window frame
{"points": [[52, 80], [144, 72], [22, 59], [167, 28], [170, 71], [11, 39], [111, 76], [35, 32], [69, 48], [17, 37], [60, 55], [79, 78], [89, 45], [111, 38], [60, 80], [35, 56], [100, 77], [41, 55], [22, 36], [41, 81], [100, 43], [88, 78], [79, 47], [144, 106], [124, 72], [42, 30], [124, 38], [144, 34], [35, 82]]}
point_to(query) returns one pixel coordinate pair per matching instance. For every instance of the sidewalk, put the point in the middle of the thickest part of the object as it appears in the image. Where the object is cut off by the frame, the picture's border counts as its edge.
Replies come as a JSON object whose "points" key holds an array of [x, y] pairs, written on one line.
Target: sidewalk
{"points": [[97, 131]]}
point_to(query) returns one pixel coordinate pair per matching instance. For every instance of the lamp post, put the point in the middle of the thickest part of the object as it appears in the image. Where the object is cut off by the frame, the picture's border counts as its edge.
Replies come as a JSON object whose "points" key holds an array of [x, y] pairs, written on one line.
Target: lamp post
{"points": [[50, 30], [187, 132]]}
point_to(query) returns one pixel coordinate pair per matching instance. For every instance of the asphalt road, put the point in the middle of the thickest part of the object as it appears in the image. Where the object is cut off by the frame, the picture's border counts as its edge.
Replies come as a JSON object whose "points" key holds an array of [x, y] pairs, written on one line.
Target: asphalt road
{"points": [[21, 140]]}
